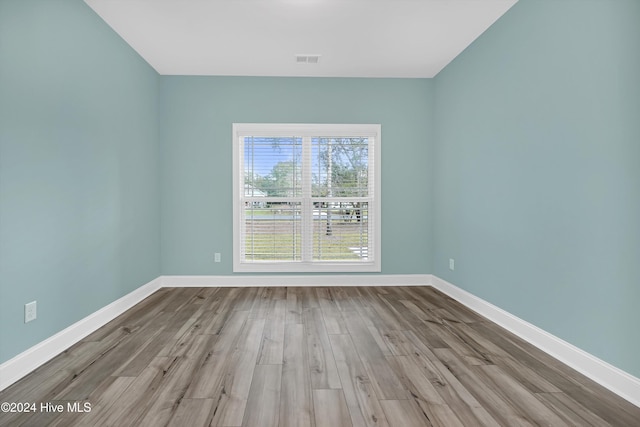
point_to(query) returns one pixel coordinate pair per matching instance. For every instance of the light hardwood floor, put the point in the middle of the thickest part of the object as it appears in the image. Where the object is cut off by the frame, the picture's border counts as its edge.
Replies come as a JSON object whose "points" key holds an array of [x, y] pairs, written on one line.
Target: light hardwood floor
{"points": [[340, 356]]}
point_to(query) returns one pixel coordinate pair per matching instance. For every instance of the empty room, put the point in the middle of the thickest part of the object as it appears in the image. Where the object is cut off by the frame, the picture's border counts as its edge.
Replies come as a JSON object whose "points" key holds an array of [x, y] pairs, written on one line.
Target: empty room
{"points": [[319, 213]]}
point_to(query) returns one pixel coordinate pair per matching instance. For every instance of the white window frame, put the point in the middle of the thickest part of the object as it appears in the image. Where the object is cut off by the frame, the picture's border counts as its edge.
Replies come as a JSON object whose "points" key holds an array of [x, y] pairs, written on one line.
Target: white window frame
{"points": [[242, 130]]}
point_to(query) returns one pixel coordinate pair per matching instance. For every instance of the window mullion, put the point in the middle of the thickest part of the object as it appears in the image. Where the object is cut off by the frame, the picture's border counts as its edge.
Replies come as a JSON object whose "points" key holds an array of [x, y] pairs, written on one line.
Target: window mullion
{"points": [[307, 205]]}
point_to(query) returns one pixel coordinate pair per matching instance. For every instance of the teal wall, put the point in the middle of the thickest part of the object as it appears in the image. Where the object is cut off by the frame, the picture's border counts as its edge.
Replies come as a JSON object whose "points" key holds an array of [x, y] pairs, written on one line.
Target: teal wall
{"points": [[523, 159], [196, 117], [537, 167], [79, 194]]}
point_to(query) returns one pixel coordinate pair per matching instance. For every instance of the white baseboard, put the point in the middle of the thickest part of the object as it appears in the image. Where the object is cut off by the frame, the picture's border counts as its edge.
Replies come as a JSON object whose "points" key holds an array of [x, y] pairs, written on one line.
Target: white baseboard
{"points": [[621, 383], [297, 280], [27, 361]]}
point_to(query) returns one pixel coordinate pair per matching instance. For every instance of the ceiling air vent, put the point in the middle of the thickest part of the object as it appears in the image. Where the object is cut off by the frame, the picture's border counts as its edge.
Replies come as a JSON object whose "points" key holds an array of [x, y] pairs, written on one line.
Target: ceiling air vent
{"points": [[309, 59]]}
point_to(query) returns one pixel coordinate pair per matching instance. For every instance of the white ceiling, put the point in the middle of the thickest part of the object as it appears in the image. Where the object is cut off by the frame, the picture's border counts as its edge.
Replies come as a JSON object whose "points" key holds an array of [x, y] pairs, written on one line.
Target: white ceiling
{"points": [[355, 38]]}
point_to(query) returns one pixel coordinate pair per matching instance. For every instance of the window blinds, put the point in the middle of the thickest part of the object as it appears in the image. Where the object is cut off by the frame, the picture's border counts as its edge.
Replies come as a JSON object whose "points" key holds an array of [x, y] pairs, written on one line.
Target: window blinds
{"points": [[306, 197]]}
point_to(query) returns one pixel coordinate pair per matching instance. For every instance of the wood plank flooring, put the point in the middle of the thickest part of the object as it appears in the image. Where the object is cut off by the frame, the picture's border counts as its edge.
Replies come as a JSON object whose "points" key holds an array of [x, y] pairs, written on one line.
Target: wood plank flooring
{"points": [[340, 356]]}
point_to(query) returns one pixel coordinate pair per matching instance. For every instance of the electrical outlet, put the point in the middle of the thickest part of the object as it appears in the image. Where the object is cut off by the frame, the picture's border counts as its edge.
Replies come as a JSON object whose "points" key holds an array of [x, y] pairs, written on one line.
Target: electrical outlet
{"points": [[216, 257], [452, 264], [30, 312]]}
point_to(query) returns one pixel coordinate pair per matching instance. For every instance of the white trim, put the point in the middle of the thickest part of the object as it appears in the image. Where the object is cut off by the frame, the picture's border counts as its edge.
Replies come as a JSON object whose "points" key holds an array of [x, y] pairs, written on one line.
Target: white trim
{"points": [[307, 131], [14, 369], [301, 267], [618, 381], [297, 280]]}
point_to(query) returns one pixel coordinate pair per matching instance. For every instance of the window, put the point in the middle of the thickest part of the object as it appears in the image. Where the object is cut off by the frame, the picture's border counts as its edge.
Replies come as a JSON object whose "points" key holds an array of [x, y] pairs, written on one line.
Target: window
{"points": [[306, 197]]}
